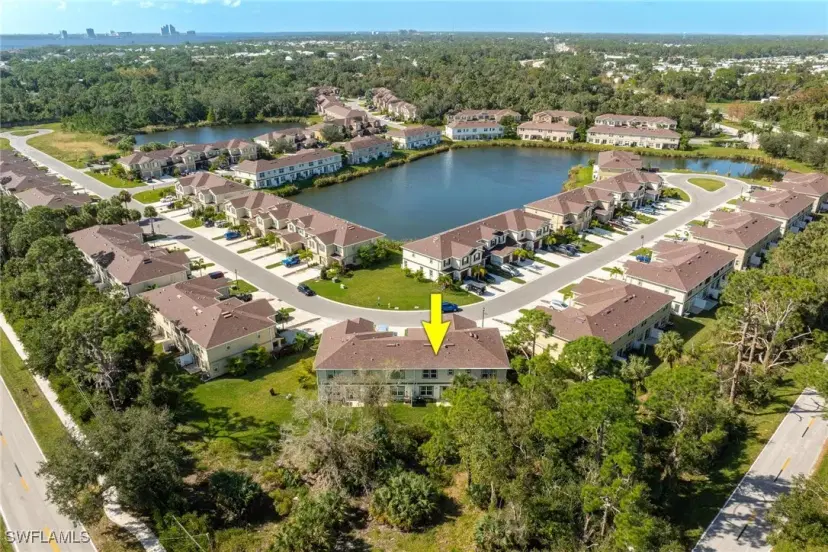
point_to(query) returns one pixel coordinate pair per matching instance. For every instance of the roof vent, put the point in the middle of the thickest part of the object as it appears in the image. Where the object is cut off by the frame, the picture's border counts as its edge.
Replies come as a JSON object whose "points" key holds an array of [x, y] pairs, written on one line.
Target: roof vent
{"points": [[227, 315], [147, 261]]}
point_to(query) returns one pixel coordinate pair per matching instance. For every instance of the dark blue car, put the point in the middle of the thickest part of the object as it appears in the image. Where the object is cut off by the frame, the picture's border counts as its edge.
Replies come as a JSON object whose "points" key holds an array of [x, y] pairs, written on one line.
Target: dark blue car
{"points": [[450, 307]]}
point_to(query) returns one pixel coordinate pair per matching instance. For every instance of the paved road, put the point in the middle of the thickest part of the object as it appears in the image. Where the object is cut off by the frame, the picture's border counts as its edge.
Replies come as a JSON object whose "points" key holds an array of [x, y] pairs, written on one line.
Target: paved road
{"points": [[23, 501], [701, 202], [741, 525]]}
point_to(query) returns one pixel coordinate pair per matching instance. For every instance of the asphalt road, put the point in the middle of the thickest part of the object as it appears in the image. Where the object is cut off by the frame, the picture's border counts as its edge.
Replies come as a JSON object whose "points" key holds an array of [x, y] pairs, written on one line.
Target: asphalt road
{"points": [[26, 511], [701, 202], [741, 525]]}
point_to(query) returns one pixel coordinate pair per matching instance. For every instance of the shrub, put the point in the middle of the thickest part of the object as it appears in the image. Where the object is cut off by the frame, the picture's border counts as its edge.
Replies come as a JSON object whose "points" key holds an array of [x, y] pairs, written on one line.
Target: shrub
{"points": [[235, 495], [406, 501], [288, 190], [314, 525]]}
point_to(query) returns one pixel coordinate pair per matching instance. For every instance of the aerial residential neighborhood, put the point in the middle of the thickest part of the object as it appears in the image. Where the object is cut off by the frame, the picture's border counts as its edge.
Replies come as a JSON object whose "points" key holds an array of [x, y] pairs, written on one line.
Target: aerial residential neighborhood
{"points": [[406, 289]]}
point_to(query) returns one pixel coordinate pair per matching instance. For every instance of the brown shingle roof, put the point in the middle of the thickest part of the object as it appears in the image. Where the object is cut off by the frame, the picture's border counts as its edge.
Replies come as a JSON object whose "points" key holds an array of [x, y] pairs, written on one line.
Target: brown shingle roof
{"points": [[630, 181], [53, 197], [412, 131], [16, 181], [681, 266], [457, 242], [355, 345], [121, 250], [775, 203], [572, 201], [813, 184], [560, 114], [473, 124], [363, 142], [631, 119], [607, 309], [616, 159], [742, 230], [276, 134], [197, 308]]}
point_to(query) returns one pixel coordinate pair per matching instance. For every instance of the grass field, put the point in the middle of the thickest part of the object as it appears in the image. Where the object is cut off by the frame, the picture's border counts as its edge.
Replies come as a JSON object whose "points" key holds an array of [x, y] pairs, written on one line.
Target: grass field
{"points": [[23, 132], [675, 193], [71, 147], [194, 223], [641, 251], [387, 282], [153, 196], [566, 289], [5, 144], [644, 219], [709, 184], [586, 246], [4, 543], [114, 181], [240, 286]]}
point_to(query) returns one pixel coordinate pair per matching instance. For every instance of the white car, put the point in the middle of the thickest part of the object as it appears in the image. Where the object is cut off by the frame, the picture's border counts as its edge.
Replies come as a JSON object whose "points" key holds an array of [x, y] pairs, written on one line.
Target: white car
{"points": [[557, 305], [509, 269]]}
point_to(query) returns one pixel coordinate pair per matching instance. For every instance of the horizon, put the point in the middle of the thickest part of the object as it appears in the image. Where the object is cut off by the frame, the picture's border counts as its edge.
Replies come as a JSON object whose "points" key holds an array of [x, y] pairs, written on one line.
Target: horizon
{"points": [[660, 18]]}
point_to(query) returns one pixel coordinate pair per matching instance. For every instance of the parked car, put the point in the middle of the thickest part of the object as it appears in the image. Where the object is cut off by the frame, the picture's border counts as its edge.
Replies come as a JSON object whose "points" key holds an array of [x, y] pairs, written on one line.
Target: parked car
{"points": [[642, 258], [557, 305], [449, 307], [490, 279], [509, 269], [216, 274], [563, 250], [476, 287], [629, 220], [209, 224], [246, 297], [232, 235], [293, 260], [168, 199], [222, 224], [305, 290]]}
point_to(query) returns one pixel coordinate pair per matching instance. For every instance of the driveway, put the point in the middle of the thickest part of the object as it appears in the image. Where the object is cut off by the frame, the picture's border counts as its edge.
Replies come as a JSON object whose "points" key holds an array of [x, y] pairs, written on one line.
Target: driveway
{"points": [[701, 202]]}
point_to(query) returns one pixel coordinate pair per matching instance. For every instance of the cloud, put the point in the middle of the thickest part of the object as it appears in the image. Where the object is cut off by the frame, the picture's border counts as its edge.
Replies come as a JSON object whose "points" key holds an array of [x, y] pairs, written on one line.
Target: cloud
{"points": [[61, 5], [232, 3], [198, 1], [146, 4]]}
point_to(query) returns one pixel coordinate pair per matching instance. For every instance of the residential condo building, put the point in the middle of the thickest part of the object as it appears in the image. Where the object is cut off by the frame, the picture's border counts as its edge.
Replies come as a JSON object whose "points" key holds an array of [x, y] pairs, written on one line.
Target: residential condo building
{"points": [[415, 137], [269, 173], [473, 130], [790, 210], [553, 132], [747, 235]]}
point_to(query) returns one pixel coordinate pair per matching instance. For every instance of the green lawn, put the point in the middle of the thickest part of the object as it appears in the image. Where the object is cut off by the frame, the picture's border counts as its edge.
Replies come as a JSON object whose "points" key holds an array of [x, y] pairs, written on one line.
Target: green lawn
{"points": [[644, 219], [115, 182], [733, 201], [579, 176], [709, 184], [44, 423], [586, 246], [240, 286], [23, 132], [641, 251], [274, 265], [248, 249], [547, 263], [242, 410], [73, 148], [387, 282], [5, 144], [194, 223], [698, 222], [5, 546], [154, 196], [564, 290], [675, 193]]}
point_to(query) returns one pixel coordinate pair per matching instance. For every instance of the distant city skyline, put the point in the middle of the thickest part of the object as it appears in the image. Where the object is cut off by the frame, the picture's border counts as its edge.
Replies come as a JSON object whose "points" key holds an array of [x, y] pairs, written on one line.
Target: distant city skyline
{"points": [[278, 16]]}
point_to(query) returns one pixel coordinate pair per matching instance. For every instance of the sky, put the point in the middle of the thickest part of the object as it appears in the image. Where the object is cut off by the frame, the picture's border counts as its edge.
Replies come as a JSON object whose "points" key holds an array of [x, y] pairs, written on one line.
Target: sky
{"points": [[619, 16]]}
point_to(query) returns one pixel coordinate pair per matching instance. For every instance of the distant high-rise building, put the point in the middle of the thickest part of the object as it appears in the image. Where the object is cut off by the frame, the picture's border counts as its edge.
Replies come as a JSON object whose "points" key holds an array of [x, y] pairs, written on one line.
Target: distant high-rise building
{"points": [[190, 32], [173, 32], [64, 35], [165, 30], [90, 33], [125, 33]]}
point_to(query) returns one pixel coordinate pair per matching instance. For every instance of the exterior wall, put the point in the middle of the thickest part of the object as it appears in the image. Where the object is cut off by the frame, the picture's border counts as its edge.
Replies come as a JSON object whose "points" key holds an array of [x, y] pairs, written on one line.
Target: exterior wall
{"points": [[482, 132], [366, 155], [214, 361], [153, 169], [417, 142], [630, 140], [742, 255], [141, 287], [277, 177], [682, 300], [551, 135], [404, 385], [577, 222]]}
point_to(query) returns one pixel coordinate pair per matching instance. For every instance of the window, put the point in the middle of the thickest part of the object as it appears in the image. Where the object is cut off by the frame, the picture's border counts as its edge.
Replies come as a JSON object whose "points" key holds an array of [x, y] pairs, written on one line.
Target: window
{"points": [[451, 372], [429, 374], [487, 374], [427, 391]]}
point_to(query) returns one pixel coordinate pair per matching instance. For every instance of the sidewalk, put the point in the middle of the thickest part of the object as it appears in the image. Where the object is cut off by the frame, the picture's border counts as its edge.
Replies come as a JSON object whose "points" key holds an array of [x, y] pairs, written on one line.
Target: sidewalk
{"points": [[112, 508]]}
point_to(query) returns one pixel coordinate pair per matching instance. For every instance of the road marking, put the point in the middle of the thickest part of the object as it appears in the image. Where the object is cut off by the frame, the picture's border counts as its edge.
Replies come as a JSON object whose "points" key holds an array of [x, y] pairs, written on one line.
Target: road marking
{"points": [[52, 539], [785, 465], [20, 475], [807, 428], [3, 438], [749, 521]]}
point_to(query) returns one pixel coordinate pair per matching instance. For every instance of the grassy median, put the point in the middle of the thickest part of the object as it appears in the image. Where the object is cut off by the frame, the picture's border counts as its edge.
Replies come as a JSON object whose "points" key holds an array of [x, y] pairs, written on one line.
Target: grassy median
{"points": [[709, 184], [73, 148]]}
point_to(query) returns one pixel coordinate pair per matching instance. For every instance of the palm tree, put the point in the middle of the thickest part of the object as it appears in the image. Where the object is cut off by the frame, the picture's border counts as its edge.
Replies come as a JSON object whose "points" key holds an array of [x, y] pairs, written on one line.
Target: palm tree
{"points": [[520, 254], [616, 271], [550, 240], [669, 347], [305, 254], [635, 370], [567, 295], [198, 264], [479, 271], [124, 197], [445, 281]]}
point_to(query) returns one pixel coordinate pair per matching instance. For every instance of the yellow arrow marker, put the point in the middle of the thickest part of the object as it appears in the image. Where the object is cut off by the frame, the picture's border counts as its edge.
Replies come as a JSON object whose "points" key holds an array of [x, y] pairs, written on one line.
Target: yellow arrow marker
{"points": [[436, 329], [785, 465], [24, 484]]}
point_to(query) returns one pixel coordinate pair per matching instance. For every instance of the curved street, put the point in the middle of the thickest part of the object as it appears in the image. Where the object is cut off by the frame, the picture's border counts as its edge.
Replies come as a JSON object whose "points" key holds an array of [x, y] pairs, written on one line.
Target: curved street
{"points": [[701, 201]]}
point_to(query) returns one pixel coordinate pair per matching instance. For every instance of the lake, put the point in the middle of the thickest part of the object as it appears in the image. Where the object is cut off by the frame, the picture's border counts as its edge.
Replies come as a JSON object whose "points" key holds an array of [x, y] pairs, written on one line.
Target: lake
{"points": [[446, 190], [207, 134]]}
